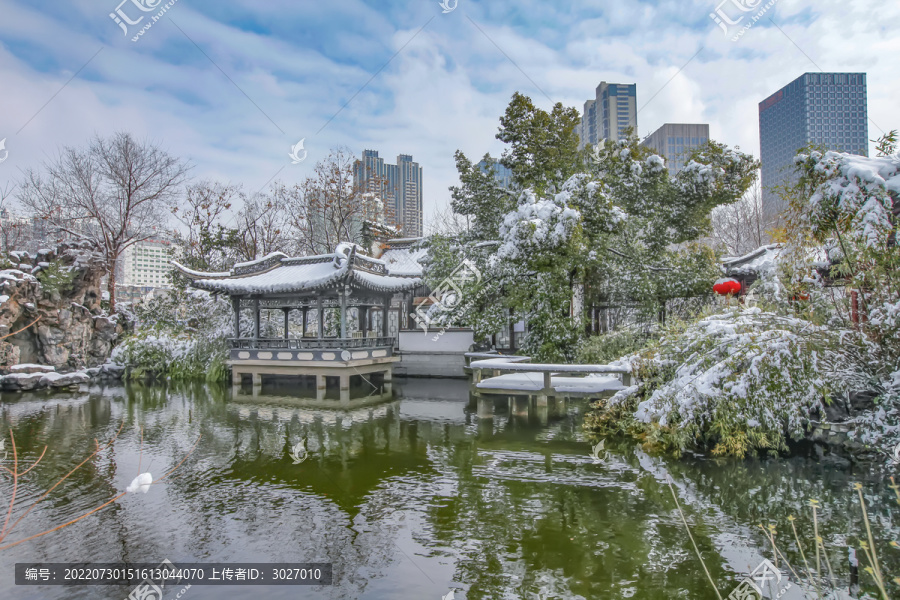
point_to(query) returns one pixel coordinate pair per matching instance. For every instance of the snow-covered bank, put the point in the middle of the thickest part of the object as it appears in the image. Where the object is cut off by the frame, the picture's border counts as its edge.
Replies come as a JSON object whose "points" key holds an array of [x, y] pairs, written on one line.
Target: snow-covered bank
{"points": [[29, 376]]}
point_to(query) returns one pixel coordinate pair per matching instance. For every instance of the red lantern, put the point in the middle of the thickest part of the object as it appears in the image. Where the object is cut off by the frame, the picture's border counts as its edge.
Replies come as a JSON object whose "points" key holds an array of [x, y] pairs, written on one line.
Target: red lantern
{"points": [[724, 287]]}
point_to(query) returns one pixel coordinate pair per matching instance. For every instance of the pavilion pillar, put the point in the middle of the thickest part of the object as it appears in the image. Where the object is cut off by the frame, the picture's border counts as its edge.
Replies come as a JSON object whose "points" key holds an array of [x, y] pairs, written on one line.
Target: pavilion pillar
{"points": [[388, 381], [363, 314], [345, 388], [256, 318], [305, 310], [407, 312], [287, 312], [343, 315], [385, 320], [320, 387], [321, 318], [236, 306]]}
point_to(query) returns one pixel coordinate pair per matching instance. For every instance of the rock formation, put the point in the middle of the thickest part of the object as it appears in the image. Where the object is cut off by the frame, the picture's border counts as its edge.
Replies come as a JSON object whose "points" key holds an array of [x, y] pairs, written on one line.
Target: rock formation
{"points": [[51, 304]]}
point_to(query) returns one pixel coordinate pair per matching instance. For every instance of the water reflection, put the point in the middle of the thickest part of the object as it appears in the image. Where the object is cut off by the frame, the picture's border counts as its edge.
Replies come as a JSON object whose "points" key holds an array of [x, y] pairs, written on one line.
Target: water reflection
{"points": [[407, 498]]}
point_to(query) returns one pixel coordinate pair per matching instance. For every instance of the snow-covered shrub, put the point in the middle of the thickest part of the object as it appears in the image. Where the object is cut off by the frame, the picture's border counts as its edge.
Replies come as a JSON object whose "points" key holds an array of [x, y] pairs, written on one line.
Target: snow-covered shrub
{"points": [[179, 335], [54, 277], [605, 348], [823, 322], [738, 381]]}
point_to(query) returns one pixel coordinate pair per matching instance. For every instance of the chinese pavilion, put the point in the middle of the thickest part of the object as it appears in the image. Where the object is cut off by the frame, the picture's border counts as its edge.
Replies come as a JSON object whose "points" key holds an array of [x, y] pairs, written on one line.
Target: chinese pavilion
{"points": [[327, 347]]}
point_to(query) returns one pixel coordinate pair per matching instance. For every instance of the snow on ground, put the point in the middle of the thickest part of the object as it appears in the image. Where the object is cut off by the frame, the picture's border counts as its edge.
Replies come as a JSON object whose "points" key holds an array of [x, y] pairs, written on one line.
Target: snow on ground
{"points": [[508, 365], [31, 376], [31, 368]]}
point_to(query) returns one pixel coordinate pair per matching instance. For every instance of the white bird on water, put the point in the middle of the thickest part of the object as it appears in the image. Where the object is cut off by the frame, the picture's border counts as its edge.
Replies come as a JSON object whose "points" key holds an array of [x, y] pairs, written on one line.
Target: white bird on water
{"points": [[298, 452], [141, 483]]}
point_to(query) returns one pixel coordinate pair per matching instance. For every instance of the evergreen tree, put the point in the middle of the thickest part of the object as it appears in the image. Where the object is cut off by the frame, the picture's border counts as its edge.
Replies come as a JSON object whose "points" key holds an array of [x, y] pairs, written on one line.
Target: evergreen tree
{"points": [[612, 225]]}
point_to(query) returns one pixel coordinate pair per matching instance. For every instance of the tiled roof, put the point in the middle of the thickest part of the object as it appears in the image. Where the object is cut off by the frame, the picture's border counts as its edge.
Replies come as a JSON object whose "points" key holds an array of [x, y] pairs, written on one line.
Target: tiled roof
{"points": [[278, 274], [404, 261]]}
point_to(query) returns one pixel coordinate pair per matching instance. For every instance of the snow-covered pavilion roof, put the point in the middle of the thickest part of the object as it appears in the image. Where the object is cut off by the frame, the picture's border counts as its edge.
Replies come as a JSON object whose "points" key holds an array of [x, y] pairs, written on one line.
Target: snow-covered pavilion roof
{"points": [[401, 256], [277, 273], [763, 259]]}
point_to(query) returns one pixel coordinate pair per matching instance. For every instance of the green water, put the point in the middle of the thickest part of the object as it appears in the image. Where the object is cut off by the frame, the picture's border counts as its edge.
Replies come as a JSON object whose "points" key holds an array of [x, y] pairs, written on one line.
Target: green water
{"points": [[408, 499]]}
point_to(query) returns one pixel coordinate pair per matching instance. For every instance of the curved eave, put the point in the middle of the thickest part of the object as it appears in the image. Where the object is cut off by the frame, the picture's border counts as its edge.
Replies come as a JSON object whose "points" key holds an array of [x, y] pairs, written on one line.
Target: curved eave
{"points": [[192, 274], [384, 283], [267, 284], [241, 287]]}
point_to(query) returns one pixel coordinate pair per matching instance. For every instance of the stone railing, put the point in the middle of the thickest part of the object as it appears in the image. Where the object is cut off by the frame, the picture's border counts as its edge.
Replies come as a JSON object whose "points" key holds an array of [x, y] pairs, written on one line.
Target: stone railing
{"points": [[311, 343]]}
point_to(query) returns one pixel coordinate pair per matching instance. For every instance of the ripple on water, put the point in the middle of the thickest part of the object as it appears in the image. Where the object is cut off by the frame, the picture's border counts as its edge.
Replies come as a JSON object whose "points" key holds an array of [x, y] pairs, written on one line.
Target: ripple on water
{"points": [[408, 499]]}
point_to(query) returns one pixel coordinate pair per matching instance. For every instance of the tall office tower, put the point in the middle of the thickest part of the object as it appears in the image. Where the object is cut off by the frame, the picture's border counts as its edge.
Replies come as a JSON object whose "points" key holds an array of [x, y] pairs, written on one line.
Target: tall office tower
{"points": [[827, 109], [399, 185], [408, 196], [606, 117], [674, 142], [502, 175]]}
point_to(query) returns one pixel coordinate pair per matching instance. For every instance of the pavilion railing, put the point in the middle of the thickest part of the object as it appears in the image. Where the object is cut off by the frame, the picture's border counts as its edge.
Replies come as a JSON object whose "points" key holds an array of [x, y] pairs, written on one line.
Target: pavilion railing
{"points": [[311, 343]]}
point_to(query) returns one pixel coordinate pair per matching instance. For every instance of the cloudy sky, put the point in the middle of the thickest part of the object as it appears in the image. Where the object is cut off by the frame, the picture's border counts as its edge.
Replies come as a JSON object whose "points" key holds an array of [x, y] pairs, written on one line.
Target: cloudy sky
{"points": [[231, 85]]}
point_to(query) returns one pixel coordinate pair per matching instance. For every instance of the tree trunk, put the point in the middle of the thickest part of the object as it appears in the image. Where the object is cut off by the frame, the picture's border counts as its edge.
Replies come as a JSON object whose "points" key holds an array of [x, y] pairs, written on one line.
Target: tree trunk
{"points": [[111, 284]]}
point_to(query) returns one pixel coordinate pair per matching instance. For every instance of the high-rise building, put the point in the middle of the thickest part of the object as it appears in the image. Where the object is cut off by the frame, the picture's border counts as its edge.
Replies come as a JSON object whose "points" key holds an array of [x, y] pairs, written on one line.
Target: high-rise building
{"points": [[609, 114], [827, 109], [147, 264], [675, 141], [400, 186], [502, 174]]}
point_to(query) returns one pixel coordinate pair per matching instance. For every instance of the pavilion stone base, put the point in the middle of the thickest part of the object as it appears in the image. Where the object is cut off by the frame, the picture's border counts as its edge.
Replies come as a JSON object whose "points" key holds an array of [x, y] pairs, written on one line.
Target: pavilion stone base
{"points": [[342, 370]]}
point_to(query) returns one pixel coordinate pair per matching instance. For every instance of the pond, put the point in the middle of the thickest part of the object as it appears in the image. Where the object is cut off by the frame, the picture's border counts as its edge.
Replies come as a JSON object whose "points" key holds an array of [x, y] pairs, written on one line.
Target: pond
{"points": [[410, 498]]}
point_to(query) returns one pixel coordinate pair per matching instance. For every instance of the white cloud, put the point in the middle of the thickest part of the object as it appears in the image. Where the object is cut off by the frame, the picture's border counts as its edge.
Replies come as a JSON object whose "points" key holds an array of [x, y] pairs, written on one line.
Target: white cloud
{"points": [[445, 90]]}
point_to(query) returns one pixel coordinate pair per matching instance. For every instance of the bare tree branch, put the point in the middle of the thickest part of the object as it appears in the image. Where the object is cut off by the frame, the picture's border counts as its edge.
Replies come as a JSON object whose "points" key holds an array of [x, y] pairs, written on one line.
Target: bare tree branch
{"points": [[116, 192], [742, 227]]}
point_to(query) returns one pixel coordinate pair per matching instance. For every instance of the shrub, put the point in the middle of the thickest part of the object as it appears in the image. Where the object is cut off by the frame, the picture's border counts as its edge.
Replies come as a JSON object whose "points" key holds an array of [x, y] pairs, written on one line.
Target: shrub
{"points": [[181, 335], [740, 381], [607, 347]]}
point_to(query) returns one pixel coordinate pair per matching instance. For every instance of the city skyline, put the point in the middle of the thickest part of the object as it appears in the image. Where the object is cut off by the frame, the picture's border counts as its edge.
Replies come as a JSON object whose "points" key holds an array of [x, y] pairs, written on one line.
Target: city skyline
{"points": [[260, 79]]}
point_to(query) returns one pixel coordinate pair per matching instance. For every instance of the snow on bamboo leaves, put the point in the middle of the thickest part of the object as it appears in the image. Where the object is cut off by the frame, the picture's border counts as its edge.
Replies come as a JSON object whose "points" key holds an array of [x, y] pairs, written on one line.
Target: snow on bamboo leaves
{"points": [[726, 286]]}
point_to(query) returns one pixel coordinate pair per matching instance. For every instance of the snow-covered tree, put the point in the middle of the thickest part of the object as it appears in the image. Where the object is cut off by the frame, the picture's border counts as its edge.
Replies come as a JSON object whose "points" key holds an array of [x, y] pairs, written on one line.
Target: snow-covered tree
{"points": [[847, 228], [827, 329], [203, 212], [614, 226]]}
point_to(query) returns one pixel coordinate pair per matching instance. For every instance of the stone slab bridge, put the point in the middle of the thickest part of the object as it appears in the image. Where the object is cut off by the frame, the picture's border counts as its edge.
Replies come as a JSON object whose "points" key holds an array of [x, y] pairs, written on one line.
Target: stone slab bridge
{"points": [[331, 348], [518, 379]]}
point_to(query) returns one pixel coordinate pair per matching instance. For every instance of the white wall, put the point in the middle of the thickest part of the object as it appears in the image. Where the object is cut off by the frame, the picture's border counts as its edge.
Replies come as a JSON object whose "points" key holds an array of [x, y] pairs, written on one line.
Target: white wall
{"points": [[452, 340]]}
